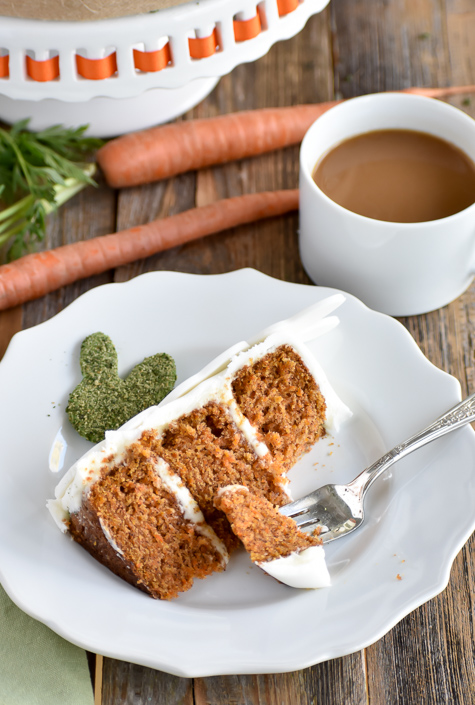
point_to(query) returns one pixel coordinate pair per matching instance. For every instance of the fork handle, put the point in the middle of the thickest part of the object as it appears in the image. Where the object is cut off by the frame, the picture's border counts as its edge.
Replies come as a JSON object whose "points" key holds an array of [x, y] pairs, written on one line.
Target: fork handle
{"points": [[460, 415]]}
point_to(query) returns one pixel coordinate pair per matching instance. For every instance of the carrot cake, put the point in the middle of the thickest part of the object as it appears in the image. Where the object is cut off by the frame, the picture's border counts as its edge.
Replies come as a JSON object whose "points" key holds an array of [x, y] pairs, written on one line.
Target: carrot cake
{"points": [[274, 541], [245, 420]]}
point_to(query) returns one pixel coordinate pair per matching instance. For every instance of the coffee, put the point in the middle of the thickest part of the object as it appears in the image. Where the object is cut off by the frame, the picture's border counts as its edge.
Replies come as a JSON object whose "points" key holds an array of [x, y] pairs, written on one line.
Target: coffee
{"points": [[401, 176]]}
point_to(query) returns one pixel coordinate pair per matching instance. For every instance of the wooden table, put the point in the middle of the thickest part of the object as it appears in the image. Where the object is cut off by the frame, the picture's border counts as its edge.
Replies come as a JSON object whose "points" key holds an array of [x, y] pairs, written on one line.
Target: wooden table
{"points": [[353, 47]]}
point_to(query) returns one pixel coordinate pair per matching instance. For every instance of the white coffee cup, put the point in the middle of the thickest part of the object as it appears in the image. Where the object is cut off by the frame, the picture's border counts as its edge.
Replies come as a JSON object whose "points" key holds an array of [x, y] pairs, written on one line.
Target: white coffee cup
{"points": [[397, 268]]}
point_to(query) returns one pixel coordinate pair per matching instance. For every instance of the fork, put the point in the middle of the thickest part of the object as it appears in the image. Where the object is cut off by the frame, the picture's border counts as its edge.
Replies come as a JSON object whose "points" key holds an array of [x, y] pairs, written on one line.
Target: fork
{"points": [[337, 510]]}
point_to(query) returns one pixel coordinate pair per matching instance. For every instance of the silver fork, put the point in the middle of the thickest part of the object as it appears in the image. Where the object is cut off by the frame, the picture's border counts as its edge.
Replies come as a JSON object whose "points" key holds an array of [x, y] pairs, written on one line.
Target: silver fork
{"points": [[339, 509]]}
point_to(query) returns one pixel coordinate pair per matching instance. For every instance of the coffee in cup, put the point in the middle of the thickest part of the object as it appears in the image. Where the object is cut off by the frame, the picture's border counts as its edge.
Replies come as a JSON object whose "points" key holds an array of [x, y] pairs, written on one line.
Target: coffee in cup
{"points": [[402, 176], [387, 201]]}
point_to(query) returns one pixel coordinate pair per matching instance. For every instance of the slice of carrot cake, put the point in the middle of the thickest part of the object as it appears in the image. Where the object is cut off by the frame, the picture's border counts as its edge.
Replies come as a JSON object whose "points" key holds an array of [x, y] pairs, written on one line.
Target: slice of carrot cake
{"points": [[244, 421], [274, 541]]}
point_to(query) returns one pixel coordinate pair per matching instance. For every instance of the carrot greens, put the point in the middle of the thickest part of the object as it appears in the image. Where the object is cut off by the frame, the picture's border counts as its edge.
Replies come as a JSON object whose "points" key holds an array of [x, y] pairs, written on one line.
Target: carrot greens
{"points": [[38, 172]]}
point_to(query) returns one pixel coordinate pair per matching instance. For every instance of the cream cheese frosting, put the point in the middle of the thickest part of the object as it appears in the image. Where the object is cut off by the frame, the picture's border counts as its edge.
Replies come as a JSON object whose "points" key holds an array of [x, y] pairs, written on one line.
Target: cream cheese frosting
{"points": [[189, 506], [304, 569]]}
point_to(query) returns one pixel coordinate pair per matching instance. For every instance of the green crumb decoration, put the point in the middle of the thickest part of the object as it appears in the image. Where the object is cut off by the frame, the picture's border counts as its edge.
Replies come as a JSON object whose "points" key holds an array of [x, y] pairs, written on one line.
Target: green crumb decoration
{"points": [[103, 401]]}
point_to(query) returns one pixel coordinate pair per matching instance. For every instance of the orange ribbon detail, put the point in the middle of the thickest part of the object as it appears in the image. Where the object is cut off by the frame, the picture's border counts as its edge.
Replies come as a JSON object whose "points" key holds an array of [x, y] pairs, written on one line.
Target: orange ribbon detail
{"points": [[46, 70], [4, 66], [149, 61], [247, 29], [201, 47], [286, 6], [96, 69]]}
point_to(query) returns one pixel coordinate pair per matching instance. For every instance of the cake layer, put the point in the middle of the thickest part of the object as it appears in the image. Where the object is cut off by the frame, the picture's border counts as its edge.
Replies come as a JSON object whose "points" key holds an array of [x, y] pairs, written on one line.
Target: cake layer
{"points": [[273, 540], [207, 453], [141, 522], [281, 399]]}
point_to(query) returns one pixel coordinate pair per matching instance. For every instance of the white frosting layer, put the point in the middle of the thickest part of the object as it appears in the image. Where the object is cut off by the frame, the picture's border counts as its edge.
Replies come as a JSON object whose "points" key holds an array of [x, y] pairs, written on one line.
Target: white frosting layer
{"points": [[304, 569], [189, 506], [109, 538]]}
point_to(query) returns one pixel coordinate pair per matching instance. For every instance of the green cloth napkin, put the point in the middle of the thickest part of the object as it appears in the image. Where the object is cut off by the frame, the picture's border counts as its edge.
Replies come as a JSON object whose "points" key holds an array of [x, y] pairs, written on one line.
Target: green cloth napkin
{"points": [[38, 667]]}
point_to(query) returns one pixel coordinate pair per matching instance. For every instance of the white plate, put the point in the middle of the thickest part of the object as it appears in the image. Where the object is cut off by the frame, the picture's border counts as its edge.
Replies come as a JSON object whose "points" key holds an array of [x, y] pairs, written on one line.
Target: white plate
{"points": [[241, 621]]}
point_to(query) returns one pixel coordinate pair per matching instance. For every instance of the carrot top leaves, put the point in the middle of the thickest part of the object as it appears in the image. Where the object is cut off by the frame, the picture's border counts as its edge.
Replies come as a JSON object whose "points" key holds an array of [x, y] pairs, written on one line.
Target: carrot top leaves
{"points": [[38, 172]]}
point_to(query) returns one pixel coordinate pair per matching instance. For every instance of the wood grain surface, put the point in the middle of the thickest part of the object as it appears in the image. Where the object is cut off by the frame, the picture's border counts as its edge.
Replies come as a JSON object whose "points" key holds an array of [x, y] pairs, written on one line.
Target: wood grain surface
{"points": [[351, 48]]}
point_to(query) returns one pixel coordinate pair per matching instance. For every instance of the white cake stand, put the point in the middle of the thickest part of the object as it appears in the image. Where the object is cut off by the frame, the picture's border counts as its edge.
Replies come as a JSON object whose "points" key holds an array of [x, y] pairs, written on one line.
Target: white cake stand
{"points": [[128, 73]]}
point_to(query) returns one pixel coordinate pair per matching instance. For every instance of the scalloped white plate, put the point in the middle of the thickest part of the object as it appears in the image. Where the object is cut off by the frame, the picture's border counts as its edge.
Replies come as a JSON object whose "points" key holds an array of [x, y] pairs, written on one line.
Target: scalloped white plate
{"points": [[241, 621]]}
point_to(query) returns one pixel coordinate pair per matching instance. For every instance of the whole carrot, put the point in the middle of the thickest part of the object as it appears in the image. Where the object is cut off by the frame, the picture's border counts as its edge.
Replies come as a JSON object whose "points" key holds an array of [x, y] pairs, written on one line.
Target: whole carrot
{"points": [[167, 150], [164, 151], [39, 273]]}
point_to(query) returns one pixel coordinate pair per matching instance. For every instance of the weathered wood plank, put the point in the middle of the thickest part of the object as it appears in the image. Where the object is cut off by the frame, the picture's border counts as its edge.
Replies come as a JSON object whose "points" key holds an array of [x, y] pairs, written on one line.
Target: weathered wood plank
{"points": [[331, 683], [380, 46], [429, 656], [11, 322], [440, 654], [128, 684]]}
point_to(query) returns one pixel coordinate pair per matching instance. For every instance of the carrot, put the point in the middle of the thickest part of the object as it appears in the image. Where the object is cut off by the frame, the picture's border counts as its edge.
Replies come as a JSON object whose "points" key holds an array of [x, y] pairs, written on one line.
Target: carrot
{"points": [[167, 150], [164, 151], [39, 273]]}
